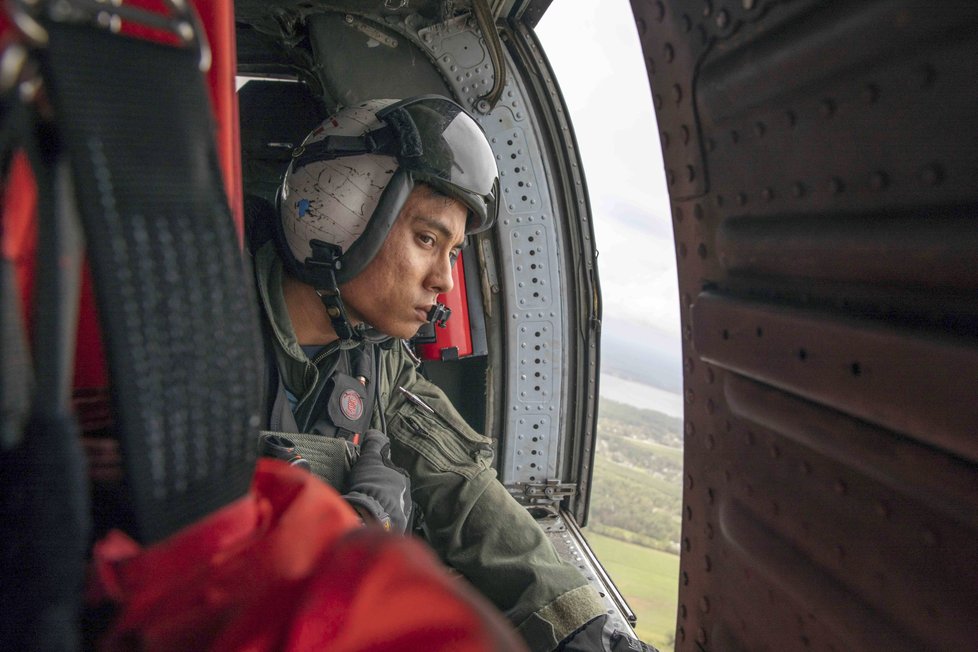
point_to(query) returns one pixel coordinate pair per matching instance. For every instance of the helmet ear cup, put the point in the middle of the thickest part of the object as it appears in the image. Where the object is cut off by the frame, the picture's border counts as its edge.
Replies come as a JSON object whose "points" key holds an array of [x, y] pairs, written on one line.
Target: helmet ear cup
{"points": [[332, 200]]}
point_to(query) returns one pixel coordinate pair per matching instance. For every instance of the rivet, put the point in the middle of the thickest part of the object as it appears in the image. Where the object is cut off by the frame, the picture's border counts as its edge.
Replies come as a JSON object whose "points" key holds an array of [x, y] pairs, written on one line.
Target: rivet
{"points": [[685, 578], [748, 4], [660, 11], [690, 429], [678, 214], [698, 212], [709, 531], [687, 23], [710, 496], [642, 27], [670, 52], [682, 250], [798, 190], [707, 564], [705, 604], [767, 194], [741, 199], [791, 118], [723, 18], [707, 9], [710, 442], [689, 481], [684, 130], [664, 137], [682, 611], [690, 173], [835, 185], [670, 177], [734, 137], [657, 100], [690, 396], [677, 93], [710, 375], [689, 513]]}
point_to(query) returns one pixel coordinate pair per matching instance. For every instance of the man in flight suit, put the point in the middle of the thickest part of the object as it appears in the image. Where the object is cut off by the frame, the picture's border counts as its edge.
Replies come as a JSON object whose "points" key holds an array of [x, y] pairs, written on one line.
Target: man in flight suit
{"points": [[373, 211]]}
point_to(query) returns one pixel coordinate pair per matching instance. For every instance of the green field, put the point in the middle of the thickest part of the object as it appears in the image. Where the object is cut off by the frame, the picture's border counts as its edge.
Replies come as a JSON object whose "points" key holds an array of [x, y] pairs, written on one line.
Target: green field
{"points": [[649, 581]]}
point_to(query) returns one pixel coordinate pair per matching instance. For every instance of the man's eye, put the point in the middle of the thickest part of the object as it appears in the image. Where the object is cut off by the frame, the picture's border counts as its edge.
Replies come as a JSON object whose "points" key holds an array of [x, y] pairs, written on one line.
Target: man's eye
{"points": [[426, 239], [454, 255]]}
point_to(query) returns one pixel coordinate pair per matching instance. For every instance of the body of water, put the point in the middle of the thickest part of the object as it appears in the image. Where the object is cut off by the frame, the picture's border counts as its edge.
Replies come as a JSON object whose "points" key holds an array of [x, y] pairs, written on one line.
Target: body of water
{"points": [[641, 396]]}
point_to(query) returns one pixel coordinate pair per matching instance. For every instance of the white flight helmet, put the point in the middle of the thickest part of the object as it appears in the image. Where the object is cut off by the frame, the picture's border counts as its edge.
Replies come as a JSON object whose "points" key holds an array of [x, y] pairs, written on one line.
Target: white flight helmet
{"points": [[351, 176]]}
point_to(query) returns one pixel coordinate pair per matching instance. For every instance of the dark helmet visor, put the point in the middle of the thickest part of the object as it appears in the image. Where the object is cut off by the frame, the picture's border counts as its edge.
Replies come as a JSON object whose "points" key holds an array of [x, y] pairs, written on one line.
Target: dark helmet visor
{"points": [[443, 145]]}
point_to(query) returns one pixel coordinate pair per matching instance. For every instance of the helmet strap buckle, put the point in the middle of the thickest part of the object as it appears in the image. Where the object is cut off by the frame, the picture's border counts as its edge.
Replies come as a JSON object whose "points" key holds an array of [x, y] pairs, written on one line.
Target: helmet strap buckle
{"points": [[324, 262]]}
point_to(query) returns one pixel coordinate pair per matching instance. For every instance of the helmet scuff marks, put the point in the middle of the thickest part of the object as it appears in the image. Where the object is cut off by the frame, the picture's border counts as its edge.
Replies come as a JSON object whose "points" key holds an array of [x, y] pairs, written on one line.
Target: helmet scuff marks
{"points": [[350, 178]]}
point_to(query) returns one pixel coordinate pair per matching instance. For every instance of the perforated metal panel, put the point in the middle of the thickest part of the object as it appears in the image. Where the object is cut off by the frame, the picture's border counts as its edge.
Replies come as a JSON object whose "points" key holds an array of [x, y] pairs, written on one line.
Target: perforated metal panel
{"points": [[532, 291], [821, 161]]}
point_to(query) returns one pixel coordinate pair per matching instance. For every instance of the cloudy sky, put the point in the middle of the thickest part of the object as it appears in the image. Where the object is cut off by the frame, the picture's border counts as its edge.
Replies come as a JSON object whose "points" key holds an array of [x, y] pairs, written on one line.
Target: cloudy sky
{"points": [[594, 51]]}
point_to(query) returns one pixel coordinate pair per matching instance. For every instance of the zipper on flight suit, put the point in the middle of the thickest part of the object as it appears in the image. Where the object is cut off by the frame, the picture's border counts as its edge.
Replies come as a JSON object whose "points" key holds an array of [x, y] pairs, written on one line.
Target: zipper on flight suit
{"points": [[482, 449]]}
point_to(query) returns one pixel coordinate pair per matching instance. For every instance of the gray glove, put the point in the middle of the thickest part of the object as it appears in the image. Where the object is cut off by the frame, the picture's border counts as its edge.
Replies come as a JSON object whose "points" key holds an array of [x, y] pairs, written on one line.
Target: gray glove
{"points": [[377, 486], [590, 638]]}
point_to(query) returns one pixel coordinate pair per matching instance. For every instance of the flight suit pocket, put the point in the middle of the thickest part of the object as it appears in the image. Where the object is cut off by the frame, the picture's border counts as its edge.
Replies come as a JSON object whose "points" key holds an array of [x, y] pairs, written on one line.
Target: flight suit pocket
{"points": [[445, 445]]}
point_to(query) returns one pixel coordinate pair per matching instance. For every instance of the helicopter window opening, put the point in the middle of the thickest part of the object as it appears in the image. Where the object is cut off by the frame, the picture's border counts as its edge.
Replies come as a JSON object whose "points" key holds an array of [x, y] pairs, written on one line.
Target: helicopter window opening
{"points": [[634, 529]]}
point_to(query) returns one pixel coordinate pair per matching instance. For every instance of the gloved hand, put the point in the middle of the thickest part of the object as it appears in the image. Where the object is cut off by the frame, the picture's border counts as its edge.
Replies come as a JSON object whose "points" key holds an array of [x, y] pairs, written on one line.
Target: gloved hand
{"points": [[589, 638], [378, 487]]}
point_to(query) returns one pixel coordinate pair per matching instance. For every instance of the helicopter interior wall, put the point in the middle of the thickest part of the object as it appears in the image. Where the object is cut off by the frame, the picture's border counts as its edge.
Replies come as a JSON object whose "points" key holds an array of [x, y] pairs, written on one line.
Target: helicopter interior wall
{"points": [[274, 118], [358, 60], [820, 160]]}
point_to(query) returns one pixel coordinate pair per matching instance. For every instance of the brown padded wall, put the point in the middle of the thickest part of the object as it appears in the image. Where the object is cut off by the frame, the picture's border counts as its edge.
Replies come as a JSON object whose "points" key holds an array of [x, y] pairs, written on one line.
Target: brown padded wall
{"points": [[821, 159]]}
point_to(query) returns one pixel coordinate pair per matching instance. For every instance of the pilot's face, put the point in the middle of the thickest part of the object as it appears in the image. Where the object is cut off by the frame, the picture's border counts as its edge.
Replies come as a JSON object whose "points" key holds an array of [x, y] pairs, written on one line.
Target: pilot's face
{"points": [[399, 286]]}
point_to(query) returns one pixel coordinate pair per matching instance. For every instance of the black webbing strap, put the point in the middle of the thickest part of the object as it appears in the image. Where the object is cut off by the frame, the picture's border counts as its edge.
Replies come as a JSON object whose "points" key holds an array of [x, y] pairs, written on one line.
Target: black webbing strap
{"points": [[44, 509], [177, 313]]}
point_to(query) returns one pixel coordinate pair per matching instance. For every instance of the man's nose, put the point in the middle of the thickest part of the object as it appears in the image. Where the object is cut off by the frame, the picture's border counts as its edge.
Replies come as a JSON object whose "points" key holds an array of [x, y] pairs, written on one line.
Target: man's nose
{"points": [[441, 279]]}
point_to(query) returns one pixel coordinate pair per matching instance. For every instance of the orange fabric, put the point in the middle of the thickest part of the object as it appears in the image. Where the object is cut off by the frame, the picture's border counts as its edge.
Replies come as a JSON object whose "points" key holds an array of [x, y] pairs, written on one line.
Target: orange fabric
{"points": [[288, 567]]}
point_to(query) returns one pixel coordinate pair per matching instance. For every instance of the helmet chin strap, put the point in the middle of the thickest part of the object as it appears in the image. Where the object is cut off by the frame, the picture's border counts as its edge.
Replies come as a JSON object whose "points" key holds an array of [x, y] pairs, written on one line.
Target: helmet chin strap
{"points": [[325, 260]]}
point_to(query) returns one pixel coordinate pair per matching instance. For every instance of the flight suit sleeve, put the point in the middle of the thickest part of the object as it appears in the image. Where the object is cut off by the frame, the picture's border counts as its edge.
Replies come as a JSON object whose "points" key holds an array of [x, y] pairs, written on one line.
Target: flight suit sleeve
{"points": [[473, 522]]}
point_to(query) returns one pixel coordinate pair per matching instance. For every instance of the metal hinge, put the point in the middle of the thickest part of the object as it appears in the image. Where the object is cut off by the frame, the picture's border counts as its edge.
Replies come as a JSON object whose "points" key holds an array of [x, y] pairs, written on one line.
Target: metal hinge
{"points": [[549, 490]]}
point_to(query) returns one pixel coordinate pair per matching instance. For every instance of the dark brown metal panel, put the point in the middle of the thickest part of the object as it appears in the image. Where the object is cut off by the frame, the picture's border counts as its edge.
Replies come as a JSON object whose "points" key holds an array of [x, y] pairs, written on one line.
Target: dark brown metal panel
{"points": [[822, 165]]}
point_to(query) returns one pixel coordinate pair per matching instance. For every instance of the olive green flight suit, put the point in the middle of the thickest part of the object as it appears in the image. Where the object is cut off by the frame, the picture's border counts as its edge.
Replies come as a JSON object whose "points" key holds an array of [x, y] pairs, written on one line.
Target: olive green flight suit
{"points": [[470, 519]]}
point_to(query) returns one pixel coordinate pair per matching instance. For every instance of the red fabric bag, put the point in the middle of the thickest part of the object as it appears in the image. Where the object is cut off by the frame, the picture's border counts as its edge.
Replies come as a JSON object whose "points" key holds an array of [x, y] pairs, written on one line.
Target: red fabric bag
{"points": [[288, 567]]}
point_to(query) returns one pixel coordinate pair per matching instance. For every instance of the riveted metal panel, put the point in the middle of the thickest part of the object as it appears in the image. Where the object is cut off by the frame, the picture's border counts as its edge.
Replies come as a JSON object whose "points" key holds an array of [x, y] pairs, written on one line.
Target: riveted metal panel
{"points": [[532, 292], [829, 302]]}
